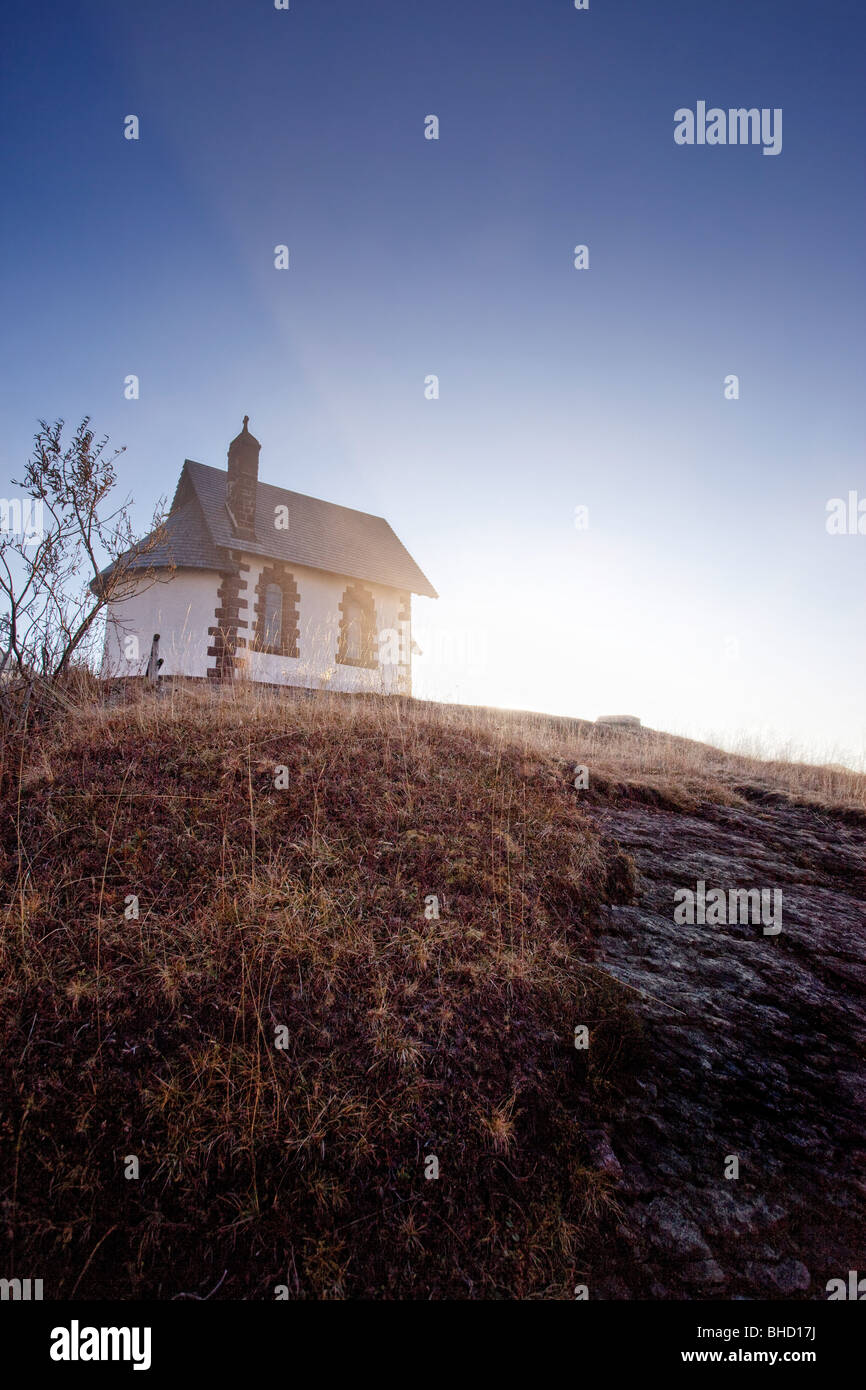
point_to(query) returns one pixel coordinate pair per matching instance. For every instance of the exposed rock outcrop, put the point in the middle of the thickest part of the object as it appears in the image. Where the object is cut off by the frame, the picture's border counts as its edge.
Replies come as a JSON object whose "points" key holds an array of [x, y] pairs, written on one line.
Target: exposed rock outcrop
{"points": [[753, 1050]]}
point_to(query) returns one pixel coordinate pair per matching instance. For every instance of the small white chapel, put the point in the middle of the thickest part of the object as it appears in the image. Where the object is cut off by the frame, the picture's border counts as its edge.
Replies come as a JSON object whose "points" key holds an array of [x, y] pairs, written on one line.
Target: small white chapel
{"points": [[255, 581]]}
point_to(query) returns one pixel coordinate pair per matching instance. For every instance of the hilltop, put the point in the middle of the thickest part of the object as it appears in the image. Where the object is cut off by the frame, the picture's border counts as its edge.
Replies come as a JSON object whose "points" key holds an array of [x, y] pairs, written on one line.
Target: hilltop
{"points": [[366, 933]]}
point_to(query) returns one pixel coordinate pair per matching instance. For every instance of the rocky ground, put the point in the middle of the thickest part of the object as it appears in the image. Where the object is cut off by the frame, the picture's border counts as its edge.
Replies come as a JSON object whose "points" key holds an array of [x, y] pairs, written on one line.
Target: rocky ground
{"points": [[753, 1047]]}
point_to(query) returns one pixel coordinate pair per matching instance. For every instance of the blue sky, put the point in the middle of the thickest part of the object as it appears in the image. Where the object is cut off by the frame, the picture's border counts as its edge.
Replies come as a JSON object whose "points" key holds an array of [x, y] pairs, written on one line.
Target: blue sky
{"points": [[706, 595]]}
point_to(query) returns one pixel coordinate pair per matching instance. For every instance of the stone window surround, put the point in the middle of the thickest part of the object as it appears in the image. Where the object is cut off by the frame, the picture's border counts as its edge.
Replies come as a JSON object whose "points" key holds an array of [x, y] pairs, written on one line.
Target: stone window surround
{"points": [[369, 659], [281, 575]]}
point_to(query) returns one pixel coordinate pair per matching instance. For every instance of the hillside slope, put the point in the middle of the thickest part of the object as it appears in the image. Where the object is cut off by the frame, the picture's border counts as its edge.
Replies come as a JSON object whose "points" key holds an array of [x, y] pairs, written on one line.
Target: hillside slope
{"points": [[290, 1042]]}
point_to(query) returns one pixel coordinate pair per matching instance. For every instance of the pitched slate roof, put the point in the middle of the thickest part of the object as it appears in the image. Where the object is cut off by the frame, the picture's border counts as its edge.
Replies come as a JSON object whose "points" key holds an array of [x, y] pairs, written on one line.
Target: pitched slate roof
{"points": [[187, 542], [320, 534]]}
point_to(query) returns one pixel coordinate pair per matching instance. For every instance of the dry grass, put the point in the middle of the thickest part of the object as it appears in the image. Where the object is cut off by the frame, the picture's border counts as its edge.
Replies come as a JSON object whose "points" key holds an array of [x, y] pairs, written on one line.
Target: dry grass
{"points": [[299, 909], [616, 757], [632, 763], [302, 909]]}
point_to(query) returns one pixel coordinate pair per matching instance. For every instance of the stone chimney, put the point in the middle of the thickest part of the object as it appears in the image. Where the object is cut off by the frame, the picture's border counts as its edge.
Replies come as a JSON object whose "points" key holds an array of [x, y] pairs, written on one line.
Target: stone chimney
{"points": [[242, 483]]}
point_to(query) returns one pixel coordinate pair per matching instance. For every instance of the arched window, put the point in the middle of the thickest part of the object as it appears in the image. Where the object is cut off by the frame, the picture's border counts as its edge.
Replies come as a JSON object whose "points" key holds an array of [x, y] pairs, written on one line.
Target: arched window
{"points": [[273, 626], [357, 640], [276, 609], [353, 617]]}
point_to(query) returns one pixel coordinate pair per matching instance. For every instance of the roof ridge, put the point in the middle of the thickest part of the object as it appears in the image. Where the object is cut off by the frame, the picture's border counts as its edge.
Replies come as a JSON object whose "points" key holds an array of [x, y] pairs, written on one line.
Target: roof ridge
{"points": [[321, 535], [357, 511]]}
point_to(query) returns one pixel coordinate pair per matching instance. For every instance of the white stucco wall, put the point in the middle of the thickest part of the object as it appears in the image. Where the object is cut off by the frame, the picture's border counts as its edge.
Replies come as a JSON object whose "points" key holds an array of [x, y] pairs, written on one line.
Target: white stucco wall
{"points": [[316, 665], [182, 610]]}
